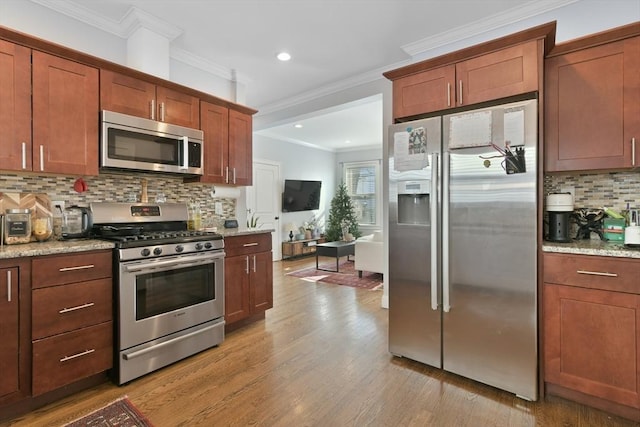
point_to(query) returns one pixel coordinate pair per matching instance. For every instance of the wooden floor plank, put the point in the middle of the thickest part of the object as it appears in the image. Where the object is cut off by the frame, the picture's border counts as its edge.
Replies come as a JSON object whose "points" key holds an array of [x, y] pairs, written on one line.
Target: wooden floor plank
{"points": [[320, 358]]}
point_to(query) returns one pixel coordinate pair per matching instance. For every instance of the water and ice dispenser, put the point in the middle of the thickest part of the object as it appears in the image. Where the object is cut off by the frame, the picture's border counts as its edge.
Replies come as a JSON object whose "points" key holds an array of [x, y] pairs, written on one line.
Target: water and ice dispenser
{"points": [[414, 201]]}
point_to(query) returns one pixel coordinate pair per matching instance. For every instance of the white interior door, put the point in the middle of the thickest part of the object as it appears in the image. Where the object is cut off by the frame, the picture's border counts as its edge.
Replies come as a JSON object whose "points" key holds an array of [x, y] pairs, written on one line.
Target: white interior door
{"points": [[263, 200]]}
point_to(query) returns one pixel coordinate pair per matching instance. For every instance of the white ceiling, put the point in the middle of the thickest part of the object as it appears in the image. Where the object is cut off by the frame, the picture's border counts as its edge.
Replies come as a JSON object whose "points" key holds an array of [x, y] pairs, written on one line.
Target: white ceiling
{"points": [[332, 42]]}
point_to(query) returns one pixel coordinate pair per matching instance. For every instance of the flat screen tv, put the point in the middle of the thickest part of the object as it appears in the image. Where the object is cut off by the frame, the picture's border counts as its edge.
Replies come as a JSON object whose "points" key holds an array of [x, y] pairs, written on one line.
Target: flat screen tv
{"points": [[300, 195]]}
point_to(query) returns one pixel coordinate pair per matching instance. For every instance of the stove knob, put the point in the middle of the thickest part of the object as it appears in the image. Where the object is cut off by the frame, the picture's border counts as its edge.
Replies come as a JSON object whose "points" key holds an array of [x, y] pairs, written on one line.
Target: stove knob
{"points": [[208, 245], [198, 246], [145, 252], [157, 251], [179, 248]]}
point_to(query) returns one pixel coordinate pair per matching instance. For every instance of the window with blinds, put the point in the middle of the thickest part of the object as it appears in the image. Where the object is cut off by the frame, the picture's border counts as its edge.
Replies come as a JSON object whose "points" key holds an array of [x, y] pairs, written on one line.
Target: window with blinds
{"points": [[362, 182]]}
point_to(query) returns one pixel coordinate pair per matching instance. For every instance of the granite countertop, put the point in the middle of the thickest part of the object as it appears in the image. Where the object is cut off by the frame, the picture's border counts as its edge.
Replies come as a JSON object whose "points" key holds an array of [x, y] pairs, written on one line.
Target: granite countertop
{"points": [[592, 247], [53, 247], [229, 232]]}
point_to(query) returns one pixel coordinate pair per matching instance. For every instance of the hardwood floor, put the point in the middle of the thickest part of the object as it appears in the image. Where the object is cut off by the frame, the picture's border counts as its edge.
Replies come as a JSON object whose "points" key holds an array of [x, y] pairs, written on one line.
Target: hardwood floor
{"points": [[319, 358]]}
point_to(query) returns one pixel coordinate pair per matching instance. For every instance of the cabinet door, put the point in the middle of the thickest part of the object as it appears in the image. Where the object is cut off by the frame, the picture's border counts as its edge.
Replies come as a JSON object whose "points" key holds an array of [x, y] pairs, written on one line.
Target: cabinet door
{"points": [[65, 116], [240, 148], [127, 95], [236, 288], [591, 342], [178, 108], [428, 91], [591, 108], [261, 282], [507, 72], [9, 331], [215, 125], [15, 107]]}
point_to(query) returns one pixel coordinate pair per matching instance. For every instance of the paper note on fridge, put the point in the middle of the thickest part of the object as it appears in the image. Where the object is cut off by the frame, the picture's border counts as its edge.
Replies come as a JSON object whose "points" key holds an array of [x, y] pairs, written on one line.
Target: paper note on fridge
{"points": [[410, 149], [470, 129]]}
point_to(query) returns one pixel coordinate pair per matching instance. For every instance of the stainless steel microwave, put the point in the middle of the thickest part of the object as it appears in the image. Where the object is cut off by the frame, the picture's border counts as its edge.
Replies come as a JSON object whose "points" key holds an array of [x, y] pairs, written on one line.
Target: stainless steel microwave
{"points": [[133, 143]]}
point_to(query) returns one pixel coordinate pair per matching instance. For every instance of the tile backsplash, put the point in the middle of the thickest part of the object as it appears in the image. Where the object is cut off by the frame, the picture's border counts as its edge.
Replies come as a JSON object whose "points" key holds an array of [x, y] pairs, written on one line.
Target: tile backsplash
{"points": [[116, 187], [595, 190]]}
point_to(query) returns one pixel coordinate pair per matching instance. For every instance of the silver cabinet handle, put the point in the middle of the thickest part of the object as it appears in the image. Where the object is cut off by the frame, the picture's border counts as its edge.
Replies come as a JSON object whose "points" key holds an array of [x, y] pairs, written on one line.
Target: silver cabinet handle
{"points": [[448, 94], [162, 111], [234, 175], [596, 273], [24, 155], [152, 109], [77, 307], [433, 206], [254, 263], [246, 270], [246, 245], [226, 174], [445, 232], [80, 267], [8, 285], [185, 152], [41, 157], [633, 151], [73, 356], [460, 95]]}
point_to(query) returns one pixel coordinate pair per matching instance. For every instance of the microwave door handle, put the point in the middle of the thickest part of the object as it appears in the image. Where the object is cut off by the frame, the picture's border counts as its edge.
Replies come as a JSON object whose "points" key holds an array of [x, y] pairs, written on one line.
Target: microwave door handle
{"points": [[185, 152]]}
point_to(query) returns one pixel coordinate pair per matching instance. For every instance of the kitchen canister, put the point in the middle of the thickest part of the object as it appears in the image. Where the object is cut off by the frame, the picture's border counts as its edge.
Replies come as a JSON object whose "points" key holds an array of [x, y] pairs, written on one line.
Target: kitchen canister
{"points": [[17, 226]]}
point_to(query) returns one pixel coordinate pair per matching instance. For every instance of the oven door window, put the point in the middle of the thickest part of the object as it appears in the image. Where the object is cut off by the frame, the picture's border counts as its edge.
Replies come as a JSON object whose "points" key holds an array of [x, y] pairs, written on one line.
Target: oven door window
{"points": [[143, 148], [166, 291]]}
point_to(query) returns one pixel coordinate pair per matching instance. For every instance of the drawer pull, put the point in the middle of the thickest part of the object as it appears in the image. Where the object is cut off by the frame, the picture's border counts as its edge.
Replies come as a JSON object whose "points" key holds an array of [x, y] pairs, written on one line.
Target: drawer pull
{"points": [[8, 285], [597, 273], [80, 267], [78, 307], [246, 245], [73, 356]]}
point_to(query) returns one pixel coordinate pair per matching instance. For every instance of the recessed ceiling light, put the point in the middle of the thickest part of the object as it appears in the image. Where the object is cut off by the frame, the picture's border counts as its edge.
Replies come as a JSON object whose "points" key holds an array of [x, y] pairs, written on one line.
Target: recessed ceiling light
{"points": [[347, 142], [297, 125], [283, 56]]}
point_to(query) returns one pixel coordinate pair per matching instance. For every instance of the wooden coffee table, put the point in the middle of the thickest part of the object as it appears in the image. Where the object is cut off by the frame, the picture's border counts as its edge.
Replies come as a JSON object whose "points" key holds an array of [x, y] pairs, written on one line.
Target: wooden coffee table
{"points": [[335, 250]]}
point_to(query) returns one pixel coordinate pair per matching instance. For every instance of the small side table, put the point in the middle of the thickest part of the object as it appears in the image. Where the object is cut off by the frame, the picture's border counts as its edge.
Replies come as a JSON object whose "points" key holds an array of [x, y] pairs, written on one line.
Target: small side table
{"points": [[335, 250]]}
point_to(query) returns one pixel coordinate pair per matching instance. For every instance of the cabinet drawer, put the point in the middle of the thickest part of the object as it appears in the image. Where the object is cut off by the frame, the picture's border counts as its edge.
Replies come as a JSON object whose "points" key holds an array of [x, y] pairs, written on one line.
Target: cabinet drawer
{"points": [[59, 309], [249, 244], [63, 359], [62, 269], [588, 271]]}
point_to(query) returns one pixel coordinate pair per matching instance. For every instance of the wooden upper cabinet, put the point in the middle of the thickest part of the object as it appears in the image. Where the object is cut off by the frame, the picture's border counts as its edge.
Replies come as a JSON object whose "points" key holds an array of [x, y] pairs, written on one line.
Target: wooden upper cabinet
{"points": [[215, 125], [15, 107], [129, 95], [65, 116], [430, 90], [507, 72], [240, 148], [592, 108]]}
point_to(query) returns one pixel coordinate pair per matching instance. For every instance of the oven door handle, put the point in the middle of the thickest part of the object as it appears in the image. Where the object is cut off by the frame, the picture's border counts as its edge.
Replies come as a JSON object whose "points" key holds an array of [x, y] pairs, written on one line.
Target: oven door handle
{"points": [[182, 262]]}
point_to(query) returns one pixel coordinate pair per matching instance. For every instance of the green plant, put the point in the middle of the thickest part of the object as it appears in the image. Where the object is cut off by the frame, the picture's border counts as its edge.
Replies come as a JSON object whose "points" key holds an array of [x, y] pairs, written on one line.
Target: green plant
{"points": [[252, 222], [341, 215]]}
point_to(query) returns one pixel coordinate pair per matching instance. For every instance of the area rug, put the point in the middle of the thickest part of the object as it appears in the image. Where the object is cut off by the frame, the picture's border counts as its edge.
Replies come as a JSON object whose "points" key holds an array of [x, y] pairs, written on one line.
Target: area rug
{"points": [[346, 277], [120, 413]]}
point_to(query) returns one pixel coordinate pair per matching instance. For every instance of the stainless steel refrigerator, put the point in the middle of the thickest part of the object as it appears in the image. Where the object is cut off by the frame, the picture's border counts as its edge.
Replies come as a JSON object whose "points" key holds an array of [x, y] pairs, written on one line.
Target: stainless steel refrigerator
{"points": [[462, 244]]}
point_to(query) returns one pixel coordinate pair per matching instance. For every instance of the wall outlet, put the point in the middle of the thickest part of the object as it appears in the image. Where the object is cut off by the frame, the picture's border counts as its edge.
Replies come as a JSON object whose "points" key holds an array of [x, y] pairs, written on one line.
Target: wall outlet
{"points": [[55, 203], [218, 208]]}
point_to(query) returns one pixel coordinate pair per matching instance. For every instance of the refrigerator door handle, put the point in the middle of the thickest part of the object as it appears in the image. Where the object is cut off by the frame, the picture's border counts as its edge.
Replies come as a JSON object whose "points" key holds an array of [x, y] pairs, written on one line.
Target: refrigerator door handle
{"points": [[445, 232], [433, 206]]}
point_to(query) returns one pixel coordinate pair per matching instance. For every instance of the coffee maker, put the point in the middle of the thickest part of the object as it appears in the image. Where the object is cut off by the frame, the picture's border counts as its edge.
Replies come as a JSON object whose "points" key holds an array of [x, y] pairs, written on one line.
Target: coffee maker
{"points": [[559, 209]]}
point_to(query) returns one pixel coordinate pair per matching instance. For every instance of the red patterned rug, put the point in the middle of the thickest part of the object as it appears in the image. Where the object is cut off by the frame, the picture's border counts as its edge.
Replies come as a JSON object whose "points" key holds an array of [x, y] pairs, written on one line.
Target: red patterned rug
{"points": [[120, 413], [346, 277]]}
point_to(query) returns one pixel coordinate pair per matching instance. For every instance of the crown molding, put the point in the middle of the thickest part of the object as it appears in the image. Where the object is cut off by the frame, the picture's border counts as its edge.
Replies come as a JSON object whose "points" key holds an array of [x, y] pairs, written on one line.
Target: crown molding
{"points": [[201, 63], [136, 18], [474, 29]]}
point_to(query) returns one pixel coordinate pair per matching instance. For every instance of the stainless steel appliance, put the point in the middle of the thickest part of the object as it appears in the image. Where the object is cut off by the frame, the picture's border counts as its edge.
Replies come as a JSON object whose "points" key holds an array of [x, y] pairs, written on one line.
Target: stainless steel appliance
{"points": [[462, 244], [169, 285], [129, 142]]}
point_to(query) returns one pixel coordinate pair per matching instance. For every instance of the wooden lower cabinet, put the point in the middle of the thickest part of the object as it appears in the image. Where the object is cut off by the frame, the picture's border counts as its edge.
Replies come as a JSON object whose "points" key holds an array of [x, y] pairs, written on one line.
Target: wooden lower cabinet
{"points": [[15, 349], [592, 331], [248, 277]]}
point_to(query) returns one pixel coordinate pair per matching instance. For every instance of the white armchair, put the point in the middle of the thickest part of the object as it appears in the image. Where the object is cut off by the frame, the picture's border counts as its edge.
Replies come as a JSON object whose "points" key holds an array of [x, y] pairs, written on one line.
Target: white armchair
{"points": [[369, 254]]}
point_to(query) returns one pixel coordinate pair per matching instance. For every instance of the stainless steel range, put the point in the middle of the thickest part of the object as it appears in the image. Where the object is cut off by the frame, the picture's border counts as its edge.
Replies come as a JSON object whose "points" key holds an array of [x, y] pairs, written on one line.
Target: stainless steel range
{"points": [[169, 285]]}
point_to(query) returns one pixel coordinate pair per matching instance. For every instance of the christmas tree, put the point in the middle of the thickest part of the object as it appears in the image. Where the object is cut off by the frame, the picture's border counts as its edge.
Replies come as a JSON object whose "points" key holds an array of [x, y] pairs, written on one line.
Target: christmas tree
{"points": [[341, 216]]}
